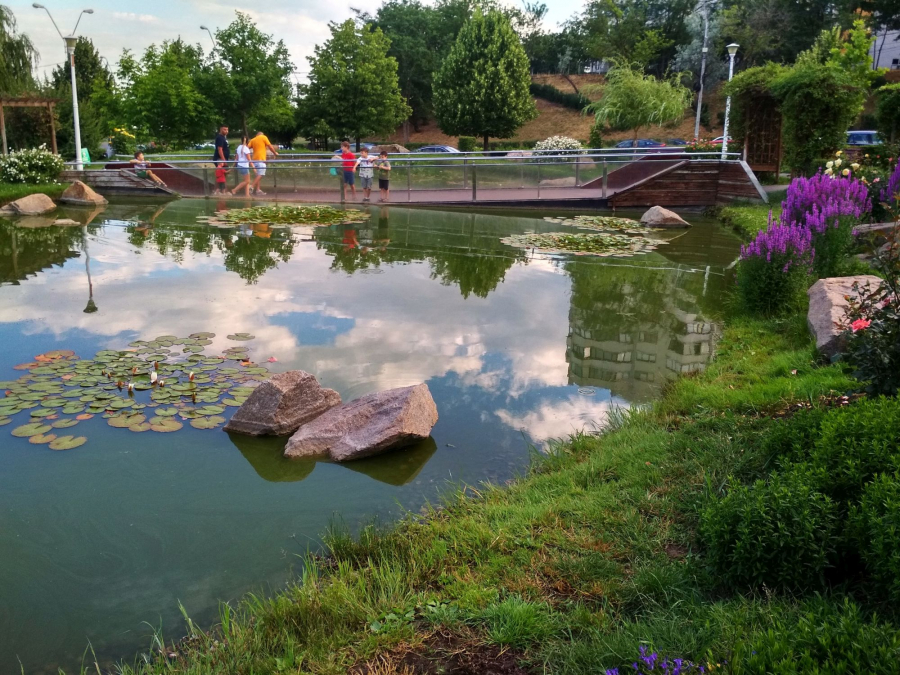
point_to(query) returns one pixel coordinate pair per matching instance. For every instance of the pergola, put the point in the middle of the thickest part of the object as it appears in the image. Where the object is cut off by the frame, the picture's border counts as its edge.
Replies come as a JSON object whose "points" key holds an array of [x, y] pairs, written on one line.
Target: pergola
{"points": [[28, 102]]}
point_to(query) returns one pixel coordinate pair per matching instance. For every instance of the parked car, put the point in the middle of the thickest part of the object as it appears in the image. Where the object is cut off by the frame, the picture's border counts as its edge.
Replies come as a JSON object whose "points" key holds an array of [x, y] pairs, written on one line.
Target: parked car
{"points": [[718, 140], [676, 141], [863, 138], [641, 143], [436, 149], [204, 146]]}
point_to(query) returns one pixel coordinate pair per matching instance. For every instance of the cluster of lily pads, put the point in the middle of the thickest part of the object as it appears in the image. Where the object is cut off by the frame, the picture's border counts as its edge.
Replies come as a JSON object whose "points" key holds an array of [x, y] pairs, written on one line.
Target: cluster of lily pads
{"points": [[285, 215], [599, 244], [601, 224], [156, 385]]}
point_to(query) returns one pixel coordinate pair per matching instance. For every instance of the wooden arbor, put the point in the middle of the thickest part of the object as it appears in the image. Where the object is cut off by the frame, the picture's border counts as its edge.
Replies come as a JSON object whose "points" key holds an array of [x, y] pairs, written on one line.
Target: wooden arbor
{"points": [[762, 146], [28, 102]]}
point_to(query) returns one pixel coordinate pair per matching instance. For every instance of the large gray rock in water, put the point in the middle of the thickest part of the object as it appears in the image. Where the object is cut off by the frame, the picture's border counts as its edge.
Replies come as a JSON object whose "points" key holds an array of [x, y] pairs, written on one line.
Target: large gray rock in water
{"points": [[368, 425], [32, 205], [281, 404], [828, 309], [660, 217], [80, 194]]}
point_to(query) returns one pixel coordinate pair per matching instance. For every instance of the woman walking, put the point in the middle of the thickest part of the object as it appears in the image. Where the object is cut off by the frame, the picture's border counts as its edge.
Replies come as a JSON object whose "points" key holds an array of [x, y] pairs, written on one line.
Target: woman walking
{"points": [[242, 156]]}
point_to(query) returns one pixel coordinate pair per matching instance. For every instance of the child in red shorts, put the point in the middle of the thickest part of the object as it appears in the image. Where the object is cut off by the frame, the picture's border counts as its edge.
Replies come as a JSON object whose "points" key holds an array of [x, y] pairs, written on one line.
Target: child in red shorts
{"points": [[221, 179]]}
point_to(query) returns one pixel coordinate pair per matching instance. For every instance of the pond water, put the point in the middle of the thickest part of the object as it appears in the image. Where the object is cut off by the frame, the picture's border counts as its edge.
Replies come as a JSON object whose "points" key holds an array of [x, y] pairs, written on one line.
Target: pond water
{"points": [[518, 348]]}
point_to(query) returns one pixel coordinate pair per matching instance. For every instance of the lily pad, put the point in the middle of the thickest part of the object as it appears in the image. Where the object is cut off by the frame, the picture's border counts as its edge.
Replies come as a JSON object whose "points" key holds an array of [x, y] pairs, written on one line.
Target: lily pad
{"points": [[202, 336], [241, 337], [64, 423], [211, 410], [4, 420], [166, 425], [33, 429], [168, 411], [41, 439], [67, 442], [123, 421], [72, 409], [207, 422], [138, 428], [43, 412], [85, 416]]}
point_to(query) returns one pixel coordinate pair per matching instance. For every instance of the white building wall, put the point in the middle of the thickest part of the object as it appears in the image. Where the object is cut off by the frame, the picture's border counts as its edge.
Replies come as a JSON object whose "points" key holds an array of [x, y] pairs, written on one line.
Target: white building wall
{"points": [[886, 50]]}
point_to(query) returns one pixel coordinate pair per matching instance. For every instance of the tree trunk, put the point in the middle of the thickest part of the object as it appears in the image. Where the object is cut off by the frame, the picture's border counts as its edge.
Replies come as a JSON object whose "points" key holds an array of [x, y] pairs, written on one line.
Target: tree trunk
{"points": [[485, 148], [244, 120], [357, 143], [406, 131], [569, 80]]}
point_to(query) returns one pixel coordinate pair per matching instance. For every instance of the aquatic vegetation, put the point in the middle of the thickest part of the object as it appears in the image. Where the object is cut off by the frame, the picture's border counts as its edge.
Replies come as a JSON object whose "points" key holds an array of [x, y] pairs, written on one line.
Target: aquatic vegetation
{"points": [[286, 215], [602, 224], [148, 387], [599, 244]]}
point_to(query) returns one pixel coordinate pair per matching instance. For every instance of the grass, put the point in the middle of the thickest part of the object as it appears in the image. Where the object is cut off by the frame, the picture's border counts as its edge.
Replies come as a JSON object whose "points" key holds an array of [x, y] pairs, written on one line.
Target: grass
{"points": [[748, 219], [10, 192]]}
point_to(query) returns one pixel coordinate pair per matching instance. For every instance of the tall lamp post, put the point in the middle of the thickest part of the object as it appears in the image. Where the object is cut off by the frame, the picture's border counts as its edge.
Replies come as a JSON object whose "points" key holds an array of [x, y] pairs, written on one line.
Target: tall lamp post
{"points": [[210, 35], [71, 41], [732, 50], [703, 52]]}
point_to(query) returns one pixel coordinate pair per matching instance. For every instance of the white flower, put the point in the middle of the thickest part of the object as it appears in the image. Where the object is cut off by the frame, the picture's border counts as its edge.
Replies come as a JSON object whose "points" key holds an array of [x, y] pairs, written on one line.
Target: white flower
{"points": [[838, 162], [845, 172], [829, 172], [854, 166], [829, 165]]}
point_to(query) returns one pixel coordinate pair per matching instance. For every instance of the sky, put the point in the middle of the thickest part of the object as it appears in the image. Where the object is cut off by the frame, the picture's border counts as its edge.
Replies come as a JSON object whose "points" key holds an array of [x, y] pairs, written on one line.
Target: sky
{"points": [[116, 24]]}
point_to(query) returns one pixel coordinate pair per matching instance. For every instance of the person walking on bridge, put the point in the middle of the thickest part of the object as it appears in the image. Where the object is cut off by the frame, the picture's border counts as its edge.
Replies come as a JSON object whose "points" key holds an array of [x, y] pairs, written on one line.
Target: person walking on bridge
{"points": [[260, 145]]}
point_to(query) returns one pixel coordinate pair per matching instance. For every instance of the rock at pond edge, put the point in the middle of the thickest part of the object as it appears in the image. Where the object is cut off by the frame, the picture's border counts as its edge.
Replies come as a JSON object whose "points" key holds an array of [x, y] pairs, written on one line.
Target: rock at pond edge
{"points": [[81, 194], [660, 217], [828, 306], [368, 425], [279, 405], [33, 205]]}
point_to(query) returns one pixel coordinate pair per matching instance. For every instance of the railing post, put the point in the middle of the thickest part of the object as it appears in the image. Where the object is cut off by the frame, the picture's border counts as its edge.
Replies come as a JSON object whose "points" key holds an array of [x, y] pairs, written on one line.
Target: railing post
{"points": [[577, 171], [605, 179], [205, 182], [539, 179], [343, 186], [409, 181], [275, 182], [465, 172], [474, 184]]}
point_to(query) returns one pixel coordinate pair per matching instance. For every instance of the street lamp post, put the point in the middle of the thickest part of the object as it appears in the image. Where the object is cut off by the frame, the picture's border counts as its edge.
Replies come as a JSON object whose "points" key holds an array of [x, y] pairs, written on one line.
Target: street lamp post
{"points": [[71, 41], [732, 50], [703, 53], [210, 35]]}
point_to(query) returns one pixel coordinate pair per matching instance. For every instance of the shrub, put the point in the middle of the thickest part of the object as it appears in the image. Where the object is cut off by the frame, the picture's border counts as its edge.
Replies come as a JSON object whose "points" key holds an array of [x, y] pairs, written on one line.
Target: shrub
{"points": [[779, 533], [595, 140], [888, 111], [873, 317], [876, 528], [857, 442], [550, 93], [826, 639], [773, 270], [793, 438], [558, 145], [123, 142], [467, 144], [34, 166]]}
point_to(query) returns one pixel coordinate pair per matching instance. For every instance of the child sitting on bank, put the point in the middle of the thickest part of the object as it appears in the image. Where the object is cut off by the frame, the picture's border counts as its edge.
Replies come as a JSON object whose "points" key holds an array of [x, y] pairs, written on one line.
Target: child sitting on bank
{"points": [[142, 169]]}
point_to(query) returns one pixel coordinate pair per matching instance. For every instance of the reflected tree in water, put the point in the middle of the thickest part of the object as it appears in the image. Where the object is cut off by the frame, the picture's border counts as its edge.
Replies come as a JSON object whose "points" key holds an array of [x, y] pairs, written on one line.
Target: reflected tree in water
{"points": [[26, 251]]}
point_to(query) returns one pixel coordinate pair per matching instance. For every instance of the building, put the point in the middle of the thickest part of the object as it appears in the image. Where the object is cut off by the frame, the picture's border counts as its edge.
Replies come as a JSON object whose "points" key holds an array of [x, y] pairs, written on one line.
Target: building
{"points": [[885, 51]]}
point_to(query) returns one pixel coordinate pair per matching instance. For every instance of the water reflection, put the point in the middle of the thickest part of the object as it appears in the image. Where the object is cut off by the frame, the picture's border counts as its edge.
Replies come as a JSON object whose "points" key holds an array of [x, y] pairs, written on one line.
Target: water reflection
{"points": [[398, 467]]}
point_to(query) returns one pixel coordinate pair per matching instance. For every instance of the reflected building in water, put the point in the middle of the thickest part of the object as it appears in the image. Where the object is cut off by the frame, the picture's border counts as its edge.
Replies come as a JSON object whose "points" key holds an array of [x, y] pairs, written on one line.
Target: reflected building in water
{"points": [[631, 329]]}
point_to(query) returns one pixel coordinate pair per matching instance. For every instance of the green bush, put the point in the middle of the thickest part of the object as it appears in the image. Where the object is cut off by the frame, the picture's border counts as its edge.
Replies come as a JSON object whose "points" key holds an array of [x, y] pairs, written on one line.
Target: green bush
{"points": [[876, 531], [34, 166], [595, 140], [826, 639], [467, 144], [857, 442], [778, 533], [792, 439], [550, 93]]}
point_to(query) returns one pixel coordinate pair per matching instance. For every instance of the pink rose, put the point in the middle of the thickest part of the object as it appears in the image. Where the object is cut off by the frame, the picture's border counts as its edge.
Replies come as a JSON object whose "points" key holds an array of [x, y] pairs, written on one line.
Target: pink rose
{"points": [[860, 324]]}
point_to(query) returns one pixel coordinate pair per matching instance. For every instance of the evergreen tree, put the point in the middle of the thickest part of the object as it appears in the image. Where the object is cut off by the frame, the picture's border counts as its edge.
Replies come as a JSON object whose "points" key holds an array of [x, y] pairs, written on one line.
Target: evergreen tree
{"points": [[482, 88], [353, 88]]}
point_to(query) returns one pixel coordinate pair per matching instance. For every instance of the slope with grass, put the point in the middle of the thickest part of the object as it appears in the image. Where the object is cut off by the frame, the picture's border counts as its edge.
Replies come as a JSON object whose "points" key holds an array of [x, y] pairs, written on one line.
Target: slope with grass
{"points": [[10, 192]]}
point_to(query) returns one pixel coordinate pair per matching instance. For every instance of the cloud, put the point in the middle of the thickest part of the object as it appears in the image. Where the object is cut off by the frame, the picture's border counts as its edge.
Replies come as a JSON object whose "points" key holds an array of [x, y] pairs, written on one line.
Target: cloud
{"points": [[131, 16], [558, 419]]}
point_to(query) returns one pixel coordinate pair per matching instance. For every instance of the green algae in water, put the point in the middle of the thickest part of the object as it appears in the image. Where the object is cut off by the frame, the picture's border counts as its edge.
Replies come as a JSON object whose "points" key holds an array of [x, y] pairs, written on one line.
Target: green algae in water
{"points": [[599, 244], [286, 215]]}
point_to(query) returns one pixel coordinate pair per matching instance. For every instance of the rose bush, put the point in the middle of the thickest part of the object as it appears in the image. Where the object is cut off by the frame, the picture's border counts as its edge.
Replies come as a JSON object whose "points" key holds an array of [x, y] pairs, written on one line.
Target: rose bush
{"points": [[33, 166]]}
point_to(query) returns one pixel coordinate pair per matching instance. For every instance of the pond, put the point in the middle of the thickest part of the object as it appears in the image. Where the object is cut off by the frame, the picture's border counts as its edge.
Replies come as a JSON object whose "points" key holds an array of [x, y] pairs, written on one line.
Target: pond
{"points": [[102, 542]]}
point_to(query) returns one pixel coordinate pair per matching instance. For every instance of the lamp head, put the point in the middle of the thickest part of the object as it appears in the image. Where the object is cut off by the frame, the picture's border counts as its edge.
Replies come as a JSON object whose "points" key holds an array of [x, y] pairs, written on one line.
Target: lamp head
{"points": [[88, 11], [203, 28], [37, 5], [732, 48]]}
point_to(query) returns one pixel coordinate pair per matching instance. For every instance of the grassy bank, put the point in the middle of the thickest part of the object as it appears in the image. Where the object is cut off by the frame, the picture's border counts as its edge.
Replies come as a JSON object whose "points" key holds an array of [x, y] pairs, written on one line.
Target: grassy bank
{"points": [[10, 192], [748, 219], [574, 567]]}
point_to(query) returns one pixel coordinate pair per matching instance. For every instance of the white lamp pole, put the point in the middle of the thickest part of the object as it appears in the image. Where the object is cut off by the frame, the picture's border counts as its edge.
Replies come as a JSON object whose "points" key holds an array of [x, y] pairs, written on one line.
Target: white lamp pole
{"points": [[71, 41], [732, 50], [703, 53], [210, 35]]}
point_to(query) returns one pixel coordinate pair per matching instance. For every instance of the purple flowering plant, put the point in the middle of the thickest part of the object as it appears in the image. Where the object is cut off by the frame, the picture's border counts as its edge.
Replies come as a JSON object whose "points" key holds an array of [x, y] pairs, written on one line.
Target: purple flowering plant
{"points": [[651, 662]]}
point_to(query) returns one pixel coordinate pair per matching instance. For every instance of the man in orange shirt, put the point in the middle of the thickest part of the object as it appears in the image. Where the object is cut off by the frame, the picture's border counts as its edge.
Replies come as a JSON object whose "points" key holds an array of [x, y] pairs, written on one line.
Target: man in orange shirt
{"points": [[259, 145]]}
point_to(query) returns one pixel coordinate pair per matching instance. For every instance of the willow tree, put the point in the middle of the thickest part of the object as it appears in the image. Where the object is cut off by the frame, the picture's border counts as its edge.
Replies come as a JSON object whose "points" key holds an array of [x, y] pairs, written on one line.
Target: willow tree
{"points": [[17, 55], [482, 88], [633, 100]]}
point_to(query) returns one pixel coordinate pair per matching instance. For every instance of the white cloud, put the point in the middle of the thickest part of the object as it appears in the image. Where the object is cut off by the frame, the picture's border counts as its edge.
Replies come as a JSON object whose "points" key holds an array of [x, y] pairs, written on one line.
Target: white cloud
{"points": [[131, 16], [559, 419]]}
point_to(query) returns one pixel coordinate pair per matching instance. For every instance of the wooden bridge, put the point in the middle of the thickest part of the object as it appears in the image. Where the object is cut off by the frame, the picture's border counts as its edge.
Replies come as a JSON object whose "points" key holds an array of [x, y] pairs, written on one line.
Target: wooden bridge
{"points": [[673, 180]]}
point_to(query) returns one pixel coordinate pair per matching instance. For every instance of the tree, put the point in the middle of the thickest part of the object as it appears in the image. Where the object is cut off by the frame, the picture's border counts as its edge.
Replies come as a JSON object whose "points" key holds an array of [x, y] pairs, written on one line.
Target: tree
{"points": [[688, 56], [633, 100], [482, 88], [251, 70], [888, 112], [161, 97], [17, 55], [353, 85]]}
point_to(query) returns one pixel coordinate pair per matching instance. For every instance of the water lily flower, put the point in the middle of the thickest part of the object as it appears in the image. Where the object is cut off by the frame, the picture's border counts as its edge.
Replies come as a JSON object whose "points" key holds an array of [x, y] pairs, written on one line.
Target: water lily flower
{"points": [[272, 359], [860, 324]]}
